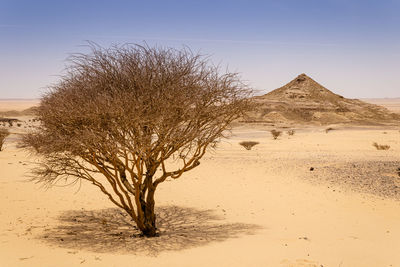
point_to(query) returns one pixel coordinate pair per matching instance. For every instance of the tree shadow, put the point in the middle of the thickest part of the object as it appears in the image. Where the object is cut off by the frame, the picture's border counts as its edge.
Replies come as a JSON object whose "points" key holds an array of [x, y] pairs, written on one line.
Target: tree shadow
{"points": [[111, 230]]}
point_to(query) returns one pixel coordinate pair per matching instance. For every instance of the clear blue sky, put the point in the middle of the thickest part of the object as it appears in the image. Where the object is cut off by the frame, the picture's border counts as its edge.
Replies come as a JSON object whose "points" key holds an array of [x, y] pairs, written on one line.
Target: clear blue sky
{"points": [[351, 47]]}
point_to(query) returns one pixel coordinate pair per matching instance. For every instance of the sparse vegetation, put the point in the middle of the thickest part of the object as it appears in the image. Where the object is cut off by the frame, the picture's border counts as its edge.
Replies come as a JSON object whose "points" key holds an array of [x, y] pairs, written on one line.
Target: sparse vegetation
{"points": [[327, 130], [3, 134], [381, 147], [291, 132], [275, 134], [122, 115], [248, 144]]}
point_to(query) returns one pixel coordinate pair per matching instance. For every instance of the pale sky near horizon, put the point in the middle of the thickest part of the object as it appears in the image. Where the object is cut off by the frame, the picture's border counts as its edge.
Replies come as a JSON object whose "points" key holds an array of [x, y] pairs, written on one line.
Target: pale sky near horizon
{"points": [[351, 47]]}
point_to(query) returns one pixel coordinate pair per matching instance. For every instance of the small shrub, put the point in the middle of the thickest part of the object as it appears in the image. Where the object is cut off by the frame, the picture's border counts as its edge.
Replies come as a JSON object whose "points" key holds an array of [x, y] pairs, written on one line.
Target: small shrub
{"points": [[327, 130], [275, 134], [290, 132], [248, 144], [3, 134], [381, 147]]}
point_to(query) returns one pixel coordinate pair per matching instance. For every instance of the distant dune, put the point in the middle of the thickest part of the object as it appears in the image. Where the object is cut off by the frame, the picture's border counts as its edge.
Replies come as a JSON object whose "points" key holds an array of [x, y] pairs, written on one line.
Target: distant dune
{"points": [[17, 104], [392, 104]]}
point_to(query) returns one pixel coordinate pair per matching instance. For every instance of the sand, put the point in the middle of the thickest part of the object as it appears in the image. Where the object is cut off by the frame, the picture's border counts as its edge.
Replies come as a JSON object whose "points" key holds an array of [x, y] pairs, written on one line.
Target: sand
{"points": [[262, 207]]}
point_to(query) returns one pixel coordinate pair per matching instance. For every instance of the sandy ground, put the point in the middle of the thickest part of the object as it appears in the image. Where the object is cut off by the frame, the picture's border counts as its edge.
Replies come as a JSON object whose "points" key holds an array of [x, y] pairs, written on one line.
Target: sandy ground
{"points": [[262, 207]]}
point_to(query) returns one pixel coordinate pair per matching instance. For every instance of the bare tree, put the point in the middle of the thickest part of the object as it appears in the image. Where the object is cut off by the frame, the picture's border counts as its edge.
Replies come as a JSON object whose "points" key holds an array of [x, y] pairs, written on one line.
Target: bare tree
{"points": [[128, 117], [275, 134], [3, 134]]}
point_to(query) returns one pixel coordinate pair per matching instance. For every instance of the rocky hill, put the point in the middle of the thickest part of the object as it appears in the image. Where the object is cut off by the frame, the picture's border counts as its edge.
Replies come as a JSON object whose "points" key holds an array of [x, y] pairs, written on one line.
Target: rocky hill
{"points": [[303, 100]]}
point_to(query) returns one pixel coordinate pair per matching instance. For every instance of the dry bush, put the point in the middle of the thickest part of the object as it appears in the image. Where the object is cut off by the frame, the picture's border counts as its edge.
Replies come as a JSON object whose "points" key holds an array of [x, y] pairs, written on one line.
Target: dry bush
{"points": [[381, 147], [275, 134], [129, 117], [248, 144], [291, 132], [327, 130], [3, 134]]}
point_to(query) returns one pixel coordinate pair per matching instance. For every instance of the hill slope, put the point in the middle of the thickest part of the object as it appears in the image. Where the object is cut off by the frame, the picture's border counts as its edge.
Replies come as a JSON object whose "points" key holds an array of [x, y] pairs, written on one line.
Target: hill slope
{"points": [[303, 100]]}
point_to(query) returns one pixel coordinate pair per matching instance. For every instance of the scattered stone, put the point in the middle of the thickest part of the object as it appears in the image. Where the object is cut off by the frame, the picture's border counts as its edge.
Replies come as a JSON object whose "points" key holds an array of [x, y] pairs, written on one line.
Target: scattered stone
{"points": [[374, 177]]}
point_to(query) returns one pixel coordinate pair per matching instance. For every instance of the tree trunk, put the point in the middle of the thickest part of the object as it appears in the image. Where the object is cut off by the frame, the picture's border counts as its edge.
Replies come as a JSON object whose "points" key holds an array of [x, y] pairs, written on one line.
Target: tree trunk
{"points": [[149, 229], [148, 226]]}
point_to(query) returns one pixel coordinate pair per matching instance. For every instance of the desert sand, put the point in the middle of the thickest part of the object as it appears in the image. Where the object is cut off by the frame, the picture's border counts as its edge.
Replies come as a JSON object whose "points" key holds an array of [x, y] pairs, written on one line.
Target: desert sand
{"points": [[259, 207]]}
